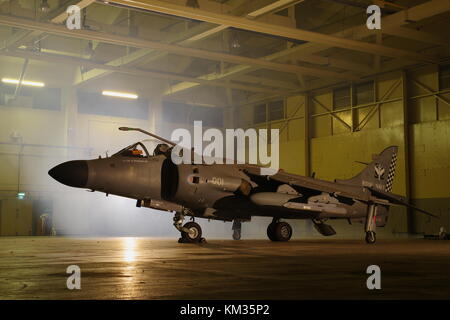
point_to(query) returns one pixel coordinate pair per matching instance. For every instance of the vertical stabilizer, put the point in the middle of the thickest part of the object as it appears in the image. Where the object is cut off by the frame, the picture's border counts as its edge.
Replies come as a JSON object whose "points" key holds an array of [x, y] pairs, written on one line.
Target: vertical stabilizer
{"points": [[378, 174]]}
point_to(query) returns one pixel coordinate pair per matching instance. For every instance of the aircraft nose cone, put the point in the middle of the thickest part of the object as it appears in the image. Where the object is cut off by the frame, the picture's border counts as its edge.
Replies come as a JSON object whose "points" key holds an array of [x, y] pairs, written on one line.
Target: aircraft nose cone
{"points": [[71, 173]]}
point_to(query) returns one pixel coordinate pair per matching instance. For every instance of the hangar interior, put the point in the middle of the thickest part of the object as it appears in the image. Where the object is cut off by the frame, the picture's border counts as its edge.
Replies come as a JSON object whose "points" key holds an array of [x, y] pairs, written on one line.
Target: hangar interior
{"points": [[337, 91]]}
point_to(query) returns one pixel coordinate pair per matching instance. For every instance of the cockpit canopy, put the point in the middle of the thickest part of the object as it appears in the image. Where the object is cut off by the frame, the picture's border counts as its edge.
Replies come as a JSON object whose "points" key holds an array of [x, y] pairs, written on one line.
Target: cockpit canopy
{"points": [[139, 150]]}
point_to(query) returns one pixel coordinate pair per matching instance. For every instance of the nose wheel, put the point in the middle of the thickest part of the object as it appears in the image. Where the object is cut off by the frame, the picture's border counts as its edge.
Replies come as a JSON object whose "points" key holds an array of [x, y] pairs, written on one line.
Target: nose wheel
{"points": [[191, 232]]}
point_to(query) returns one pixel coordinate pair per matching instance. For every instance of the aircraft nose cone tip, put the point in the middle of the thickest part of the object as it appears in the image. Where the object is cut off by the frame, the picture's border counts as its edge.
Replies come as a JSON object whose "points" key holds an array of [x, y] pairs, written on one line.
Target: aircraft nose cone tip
{"points": [[71, 173]]}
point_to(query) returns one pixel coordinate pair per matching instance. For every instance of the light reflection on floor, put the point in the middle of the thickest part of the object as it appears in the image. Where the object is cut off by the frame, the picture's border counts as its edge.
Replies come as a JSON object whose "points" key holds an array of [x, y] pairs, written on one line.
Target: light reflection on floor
{"points": [[129, 249], [129, 254]]}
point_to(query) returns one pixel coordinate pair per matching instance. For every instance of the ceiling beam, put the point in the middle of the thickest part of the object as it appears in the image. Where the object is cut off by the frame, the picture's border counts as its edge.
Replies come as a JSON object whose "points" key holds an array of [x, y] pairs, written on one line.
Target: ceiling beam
{"points": [[273, 7], [307, 51], [275, 83], [394, 24], [192, 52], [277, 5], [56, 58], [416, 35], [321, 84], [17, 37], [136, 57], [239, 70], [274, 30], [188, 37], [57, 15]]}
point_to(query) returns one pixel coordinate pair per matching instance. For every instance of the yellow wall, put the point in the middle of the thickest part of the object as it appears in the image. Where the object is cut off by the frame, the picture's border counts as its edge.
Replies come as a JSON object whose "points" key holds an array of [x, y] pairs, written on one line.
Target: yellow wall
{"points": [[334, 147]]}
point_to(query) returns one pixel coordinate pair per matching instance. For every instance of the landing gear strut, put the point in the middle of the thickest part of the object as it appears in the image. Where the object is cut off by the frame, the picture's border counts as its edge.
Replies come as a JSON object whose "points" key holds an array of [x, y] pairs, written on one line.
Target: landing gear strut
{"points": [[370, 225], [279, 231], [237, 229], [191, 232]]}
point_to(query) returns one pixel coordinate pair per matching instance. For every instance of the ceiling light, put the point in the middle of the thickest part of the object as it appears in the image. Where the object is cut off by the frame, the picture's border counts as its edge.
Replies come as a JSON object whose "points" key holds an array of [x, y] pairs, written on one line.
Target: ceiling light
{"points": [[120, 94], [24, 82]]}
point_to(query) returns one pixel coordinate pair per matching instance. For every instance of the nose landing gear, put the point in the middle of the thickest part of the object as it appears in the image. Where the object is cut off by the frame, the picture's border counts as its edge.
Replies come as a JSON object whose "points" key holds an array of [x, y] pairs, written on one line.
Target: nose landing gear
{"points": [[191, 232], [193, 235]]}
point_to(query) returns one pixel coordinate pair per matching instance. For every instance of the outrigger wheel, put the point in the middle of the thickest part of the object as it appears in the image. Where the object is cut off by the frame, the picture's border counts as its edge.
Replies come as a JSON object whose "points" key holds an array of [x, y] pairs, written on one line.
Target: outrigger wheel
{"points": [[371, 224], [194, 234], [279, 231], [371, 237]]}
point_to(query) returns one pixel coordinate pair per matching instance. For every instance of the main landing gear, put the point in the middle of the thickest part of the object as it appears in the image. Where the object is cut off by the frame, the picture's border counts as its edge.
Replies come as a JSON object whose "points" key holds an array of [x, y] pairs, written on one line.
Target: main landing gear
{"points": [[371, 224], [279, 231], [191, 232]]}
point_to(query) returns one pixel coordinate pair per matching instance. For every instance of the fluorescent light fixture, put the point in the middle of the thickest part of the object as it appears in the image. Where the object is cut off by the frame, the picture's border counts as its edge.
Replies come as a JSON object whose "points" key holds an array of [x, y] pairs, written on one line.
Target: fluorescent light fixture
{"points": [[24, 82], [120, 94], [21, 195]]}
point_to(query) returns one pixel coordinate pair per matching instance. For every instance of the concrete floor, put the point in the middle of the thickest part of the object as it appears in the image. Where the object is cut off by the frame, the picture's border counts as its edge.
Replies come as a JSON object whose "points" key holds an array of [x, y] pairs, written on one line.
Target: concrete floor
{"points": [[146, 268]]}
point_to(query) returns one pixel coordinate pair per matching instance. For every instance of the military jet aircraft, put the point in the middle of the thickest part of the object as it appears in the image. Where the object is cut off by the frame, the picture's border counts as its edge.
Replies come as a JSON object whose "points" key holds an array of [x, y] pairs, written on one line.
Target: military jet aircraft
{"points": [[237, 192]]}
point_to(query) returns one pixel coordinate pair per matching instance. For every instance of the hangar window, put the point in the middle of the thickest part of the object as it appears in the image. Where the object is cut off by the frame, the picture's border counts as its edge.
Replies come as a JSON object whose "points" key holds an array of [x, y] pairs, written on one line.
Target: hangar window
{"points": [[260, 113], [341, 97], [49, 99], [96, 103], [364, 93], [210, 116], [30, 97], [177, 112], [444, 77], [276, 110]]}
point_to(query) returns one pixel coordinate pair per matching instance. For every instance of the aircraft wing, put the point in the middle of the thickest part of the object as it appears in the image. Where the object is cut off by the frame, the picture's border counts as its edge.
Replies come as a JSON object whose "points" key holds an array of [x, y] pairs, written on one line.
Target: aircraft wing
{"points": [[340, 191], [303, 184], [387, 198]]}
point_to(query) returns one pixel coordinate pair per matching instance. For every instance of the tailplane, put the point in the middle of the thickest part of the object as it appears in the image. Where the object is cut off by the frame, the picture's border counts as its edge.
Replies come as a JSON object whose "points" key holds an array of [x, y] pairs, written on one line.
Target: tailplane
{"points": [[379, 174]]}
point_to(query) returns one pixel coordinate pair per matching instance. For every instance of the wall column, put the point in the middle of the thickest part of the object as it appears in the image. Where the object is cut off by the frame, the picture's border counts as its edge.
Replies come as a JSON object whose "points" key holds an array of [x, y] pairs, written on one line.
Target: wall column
{"points": [[406, 154], [307, 157]]}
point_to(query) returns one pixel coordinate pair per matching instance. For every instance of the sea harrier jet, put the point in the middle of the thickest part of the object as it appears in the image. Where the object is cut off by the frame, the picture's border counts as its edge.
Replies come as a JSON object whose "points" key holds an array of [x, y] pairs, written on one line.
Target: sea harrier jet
{"points": [[237, 192]]}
